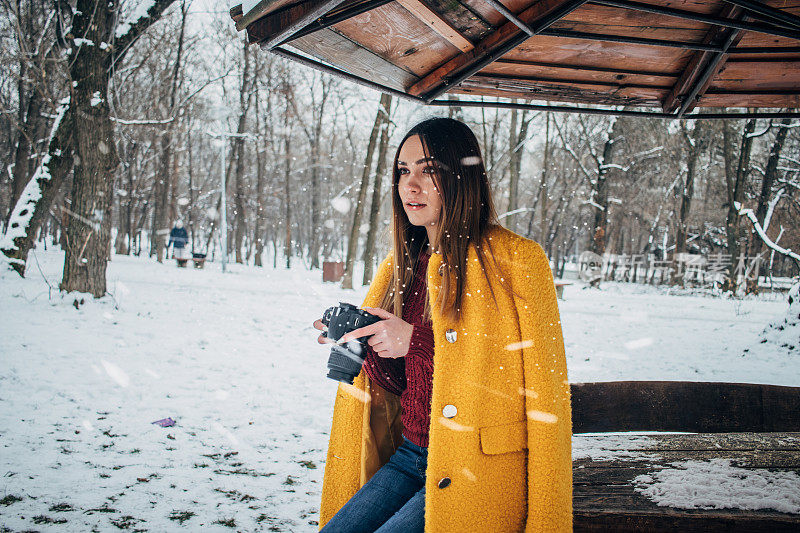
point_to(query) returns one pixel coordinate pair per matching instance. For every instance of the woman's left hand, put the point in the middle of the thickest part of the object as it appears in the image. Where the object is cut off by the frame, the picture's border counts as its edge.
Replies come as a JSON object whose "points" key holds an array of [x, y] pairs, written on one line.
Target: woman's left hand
{"points": [[391, 337]]}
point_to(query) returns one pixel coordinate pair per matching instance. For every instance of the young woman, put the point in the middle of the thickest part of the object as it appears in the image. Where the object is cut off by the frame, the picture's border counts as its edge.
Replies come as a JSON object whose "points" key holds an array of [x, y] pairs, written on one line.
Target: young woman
{"points": [[460, 419]]}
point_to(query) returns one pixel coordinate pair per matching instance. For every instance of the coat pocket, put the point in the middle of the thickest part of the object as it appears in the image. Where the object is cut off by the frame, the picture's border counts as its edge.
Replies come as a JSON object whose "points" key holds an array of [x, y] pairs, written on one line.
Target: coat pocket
{"points": [[504, 438]]}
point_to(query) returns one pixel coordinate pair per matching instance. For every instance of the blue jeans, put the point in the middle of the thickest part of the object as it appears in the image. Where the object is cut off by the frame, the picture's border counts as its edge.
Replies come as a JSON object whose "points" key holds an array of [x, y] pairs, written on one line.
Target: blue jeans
{"points": [[392, 501]]}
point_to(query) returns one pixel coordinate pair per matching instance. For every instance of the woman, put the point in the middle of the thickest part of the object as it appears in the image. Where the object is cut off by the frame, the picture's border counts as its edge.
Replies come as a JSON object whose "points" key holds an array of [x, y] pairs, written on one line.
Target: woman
{"points": [[481, 440]]}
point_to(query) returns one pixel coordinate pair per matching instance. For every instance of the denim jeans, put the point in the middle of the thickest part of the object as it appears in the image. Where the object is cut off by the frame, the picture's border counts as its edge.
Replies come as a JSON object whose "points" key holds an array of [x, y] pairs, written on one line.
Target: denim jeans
{"points": [[392, 501]]}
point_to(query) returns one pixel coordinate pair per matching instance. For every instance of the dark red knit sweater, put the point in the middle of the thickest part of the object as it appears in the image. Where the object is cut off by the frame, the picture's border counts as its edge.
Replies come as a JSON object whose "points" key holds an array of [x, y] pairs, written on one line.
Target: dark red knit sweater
{"points": [[410, 377]]}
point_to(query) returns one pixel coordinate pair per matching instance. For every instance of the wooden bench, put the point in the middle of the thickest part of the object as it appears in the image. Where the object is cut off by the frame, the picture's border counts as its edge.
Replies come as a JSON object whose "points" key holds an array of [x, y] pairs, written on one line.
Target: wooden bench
{"points": [[560, 288], [755, 428]]}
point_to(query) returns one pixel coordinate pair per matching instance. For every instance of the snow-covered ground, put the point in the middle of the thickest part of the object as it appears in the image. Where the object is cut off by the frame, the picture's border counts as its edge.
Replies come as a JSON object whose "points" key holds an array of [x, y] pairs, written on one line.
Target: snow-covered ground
{"points": [[234, 360]]}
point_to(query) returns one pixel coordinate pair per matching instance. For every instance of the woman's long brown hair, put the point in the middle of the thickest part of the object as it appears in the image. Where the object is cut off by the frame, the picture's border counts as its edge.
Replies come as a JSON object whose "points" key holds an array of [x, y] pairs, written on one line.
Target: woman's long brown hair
{"points": [[467, 215]]}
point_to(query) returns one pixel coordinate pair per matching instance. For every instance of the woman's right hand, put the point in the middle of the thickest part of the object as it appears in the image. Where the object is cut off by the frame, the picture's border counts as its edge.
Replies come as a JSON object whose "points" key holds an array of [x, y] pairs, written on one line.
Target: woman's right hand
{"points": [[322, 339]]}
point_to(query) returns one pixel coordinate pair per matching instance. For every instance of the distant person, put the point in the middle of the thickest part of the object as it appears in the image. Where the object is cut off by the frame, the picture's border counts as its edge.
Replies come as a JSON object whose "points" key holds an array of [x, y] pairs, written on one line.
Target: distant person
{"points": [[178, 238], [460, 419]]}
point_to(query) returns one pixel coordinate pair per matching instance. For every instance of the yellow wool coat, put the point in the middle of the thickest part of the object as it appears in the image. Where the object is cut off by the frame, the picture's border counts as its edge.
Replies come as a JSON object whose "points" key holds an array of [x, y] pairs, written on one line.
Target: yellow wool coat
{"points": [[507, 451]]}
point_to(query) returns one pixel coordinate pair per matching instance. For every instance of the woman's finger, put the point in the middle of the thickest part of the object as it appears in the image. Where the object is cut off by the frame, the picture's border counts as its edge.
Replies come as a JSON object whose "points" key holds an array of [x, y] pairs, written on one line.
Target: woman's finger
{"points": [[319, 325], [362, 332], [380, 312]]}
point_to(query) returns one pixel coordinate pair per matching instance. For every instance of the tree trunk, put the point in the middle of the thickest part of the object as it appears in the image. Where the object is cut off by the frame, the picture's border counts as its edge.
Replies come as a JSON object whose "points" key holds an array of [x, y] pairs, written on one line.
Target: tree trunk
{"points": [[600, 190], [165, 176], [240, 194], [287, 245], [375, 207], [94, 144], [261, 193], [33, 206], [695, 143], [352, 243], [542, 203], [735, 175]]}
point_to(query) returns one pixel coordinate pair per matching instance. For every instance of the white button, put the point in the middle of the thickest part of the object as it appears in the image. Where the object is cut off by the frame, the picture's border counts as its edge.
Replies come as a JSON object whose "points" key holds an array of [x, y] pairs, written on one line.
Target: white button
{"points": [[441, 269], [449, 411], [450, 335]]}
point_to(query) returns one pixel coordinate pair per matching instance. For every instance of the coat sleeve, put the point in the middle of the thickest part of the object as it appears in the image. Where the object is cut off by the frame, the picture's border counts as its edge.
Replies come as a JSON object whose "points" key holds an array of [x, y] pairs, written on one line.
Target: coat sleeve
{"points": [[547, 392]]}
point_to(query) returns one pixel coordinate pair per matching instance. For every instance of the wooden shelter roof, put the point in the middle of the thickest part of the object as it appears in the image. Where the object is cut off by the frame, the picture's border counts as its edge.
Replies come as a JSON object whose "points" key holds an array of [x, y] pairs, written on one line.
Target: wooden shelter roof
{"points": [[653, 57]]}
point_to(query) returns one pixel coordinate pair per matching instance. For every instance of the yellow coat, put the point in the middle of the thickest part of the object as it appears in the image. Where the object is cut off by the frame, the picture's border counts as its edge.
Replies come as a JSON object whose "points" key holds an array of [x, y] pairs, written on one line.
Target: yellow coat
{"points": [[508, 449]]}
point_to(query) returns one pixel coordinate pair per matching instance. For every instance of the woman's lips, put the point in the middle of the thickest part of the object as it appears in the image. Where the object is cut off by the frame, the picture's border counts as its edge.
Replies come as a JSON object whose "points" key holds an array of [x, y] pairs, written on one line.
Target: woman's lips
{"points": [[415, 207]]}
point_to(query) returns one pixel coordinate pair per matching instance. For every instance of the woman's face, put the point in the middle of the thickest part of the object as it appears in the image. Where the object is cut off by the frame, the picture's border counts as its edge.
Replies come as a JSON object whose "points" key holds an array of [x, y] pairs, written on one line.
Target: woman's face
{"points": [[417, 188]]}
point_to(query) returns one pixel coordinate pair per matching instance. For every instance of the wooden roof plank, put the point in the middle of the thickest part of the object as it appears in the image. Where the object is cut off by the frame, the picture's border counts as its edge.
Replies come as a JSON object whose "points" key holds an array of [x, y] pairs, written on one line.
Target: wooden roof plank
{"points": [[261, 9], [579, 73], [336, 49], [392, 33], [278, 25], [493, 44], [438, 24]]}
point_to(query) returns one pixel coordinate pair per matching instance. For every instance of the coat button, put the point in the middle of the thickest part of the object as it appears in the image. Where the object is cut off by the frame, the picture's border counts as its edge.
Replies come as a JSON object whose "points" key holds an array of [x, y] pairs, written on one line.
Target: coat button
{"points": [[444, 483], [450, 335], [449, 411], [441, 269]]}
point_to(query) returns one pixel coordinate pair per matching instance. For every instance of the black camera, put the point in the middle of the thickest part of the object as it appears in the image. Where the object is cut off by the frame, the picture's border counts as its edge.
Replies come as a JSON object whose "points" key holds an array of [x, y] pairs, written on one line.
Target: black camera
{"points": [[345, 361]]}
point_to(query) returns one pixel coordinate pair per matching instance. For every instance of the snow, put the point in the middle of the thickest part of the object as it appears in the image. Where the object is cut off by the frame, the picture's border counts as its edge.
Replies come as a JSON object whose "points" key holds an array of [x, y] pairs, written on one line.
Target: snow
{"points": [[716, 484], [80, 41], [96, 99], [139, 12], [233, 359], [341, 204]]}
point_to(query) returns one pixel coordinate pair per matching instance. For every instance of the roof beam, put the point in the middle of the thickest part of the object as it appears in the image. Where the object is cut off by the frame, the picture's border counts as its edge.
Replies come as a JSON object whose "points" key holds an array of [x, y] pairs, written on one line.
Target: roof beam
{"points": [[568, 34], [539, 16], [278, 25], [434, 21], [698, 61], [777, 28], [612, 112], [712, 69], [768, 14]]}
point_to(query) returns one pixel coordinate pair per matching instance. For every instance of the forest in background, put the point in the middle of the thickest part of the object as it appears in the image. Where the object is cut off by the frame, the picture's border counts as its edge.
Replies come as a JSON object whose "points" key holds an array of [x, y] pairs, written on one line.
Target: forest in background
{"points": [[116, 115]]}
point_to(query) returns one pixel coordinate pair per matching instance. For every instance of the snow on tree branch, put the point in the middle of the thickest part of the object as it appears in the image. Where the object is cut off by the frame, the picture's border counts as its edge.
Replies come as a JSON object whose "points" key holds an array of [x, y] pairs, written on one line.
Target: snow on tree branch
{"points": [[145, 14], [24, 209], [138, 14], [752, 216]]}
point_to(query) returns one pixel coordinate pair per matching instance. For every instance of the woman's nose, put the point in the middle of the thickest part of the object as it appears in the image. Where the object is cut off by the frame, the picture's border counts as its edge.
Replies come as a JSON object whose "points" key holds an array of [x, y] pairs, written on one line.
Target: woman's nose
{"points": [[413, 183]]}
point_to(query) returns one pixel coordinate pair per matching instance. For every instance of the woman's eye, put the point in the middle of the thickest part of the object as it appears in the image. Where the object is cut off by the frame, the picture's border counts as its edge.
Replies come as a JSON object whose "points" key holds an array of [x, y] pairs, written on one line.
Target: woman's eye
{"points": [[429, 170], [402, 170]]}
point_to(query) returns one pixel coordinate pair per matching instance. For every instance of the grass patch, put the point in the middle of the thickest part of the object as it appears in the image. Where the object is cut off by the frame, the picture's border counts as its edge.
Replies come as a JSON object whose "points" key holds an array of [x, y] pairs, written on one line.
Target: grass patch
{"points": [[104, 509], [235, 495], [181, 516], [42, 519], [308, 464], [11, 498], [61, 508], [229, 522], [125, 522]]}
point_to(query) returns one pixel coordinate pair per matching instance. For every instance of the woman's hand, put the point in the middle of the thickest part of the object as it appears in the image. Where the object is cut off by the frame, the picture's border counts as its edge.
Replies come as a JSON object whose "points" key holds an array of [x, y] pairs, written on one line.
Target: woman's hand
{"points": [[391, 337], [322, 339]]}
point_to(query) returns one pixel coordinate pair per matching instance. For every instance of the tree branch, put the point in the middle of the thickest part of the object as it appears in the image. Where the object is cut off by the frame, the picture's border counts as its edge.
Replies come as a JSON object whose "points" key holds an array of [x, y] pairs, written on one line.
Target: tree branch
{"points": [[142, 18]]}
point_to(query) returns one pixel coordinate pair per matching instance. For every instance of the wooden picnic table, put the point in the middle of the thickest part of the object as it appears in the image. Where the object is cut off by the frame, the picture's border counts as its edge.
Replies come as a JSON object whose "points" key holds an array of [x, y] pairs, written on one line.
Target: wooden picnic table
{"points": [[751, 427]]}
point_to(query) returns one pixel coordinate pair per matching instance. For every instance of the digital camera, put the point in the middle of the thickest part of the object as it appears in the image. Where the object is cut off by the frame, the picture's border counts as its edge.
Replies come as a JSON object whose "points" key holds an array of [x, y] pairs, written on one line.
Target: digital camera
{"points": [[345, 361]]}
